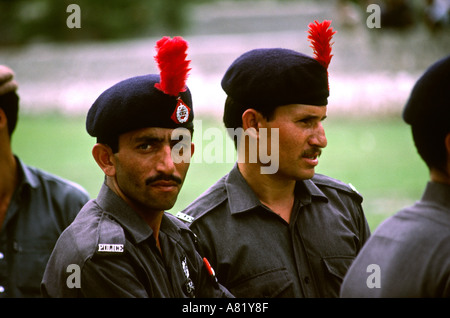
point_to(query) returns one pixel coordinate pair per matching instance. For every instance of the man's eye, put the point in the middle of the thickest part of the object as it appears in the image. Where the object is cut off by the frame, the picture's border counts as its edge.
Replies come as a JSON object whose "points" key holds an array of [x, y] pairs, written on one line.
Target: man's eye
{"points": [[145, 147], [306, 121]]}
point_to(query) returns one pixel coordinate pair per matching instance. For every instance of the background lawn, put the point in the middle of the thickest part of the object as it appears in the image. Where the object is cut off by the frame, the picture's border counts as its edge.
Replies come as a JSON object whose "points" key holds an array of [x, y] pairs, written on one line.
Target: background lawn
{"points": [[377, 156]]}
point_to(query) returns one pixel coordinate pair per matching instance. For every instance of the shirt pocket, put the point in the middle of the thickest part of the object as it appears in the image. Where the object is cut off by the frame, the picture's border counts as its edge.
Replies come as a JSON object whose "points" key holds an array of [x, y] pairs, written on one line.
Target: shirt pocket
{"points": [[268, 284], [335, 268]]}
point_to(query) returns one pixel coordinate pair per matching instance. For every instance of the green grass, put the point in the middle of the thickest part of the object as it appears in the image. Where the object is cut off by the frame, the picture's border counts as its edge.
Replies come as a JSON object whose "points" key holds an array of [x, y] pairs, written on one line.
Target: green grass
{"points": [[376, 155], [59, 145]]}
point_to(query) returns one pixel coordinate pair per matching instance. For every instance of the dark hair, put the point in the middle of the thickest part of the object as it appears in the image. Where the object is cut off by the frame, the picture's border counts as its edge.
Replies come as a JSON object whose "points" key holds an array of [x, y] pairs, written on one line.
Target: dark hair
{"points": [[111, 141], [233, 110], [430, 144], [9, 102]]}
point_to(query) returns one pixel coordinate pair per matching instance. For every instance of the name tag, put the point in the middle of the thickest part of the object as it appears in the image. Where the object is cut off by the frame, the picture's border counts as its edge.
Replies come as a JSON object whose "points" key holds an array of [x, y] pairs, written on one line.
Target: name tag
{"points": [[114, 248]]}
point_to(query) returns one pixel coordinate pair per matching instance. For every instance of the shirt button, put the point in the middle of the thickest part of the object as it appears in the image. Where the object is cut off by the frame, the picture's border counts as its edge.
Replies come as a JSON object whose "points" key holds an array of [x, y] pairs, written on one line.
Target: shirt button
{"points": [[306, 279]]}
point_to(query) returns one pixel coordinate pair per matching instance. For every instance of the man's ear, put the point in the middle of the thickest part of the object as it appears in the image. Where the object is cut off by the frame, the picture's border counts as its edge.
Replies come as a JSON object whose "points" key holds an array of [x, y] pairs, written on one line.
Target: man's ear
{"points": [[3, 119], [250, 119], [447, 146], [103, 155], [192, 149]]}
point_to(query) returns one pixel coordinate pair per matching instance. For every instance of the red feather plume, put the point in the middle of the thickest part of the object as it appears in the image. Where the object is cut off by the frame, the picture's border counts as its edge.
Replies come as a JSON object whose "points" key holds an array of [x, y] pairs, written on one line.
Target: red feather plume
{"points": [[174, 68], [320, 35]]}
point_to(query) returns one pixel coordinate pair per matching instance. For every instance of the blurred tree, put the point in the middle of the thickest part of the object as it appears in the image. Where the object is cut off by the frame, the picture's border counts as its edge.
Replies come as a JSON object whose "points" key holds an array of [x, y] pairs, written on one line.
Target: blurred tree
{"points": [[22, 21]]}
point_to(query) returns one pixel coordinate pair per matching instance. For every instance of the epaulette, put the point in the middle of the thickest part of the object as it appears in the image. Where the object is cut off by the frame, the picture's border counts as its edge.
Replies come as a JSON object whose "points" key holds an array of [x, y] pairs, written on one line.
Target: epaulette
{"points": [[322, 180], [183, 227], [111, 237], [184, 217], [180, 222]]}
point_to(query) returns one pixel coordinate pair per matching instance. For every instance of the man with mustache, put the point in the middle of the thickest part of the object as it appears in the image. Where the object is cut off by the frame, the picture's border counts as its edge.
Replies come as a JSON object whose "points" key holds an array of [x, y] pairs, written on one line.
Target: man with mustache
{"points": [[290, 233], [123, 244]]}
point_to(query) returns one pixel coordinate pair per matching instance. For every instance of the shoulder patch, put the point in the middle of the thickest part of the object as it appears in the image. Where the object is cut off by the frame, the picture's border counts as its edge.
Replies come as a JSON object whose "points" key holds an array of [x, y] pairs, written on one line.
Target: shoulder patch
{"points": [[184, 217], [110, 248], [111, 237]]}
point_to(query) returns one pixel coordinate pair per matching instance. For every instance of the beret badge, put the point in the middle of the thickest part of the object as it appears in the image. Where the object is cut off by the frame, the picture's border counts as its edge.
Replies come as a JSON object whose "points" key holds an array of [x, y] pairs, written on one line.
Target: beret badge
{"points": [[181, 112]]}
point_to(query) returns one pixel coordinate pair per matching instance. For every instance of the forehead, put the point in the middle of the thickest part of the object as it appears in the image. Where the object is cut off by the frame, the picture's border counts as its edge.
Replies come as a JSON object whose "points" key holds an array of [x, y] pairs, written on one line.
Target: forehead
{"points": [[147, 133], [294, 110]]}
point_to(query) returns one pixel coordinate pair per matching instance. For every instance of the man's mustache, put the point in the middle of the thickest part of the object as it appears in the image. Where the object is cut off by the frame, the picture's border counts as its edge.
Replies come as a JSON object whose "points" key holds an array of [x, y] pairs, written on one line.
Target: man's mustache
{"points": [[163, 177], [314, 151]]}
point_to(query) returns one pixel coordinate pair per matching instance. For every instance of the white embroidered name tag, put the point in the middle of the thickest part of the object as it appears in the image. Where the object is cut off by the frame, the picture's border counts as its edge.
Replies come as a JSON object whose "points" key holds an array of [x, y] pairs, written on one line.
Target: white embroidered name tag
{"points": [[114, 248]]}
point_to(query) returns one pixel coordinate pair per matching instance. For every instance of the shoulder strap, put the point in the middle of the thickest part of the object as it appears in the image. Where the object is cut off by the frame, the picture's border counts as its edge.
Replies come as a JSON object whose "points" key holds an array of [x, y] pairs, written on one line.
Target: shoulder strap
{"points": [[322, 180]]}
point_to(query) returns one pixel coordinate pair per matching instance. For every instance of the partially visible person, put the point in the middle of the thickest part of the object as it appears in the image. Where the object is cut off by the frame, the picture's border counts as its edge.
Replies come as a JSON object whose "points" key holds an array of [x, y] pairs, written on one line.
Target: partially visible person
{"points": [[408, 255], [35, 206]]}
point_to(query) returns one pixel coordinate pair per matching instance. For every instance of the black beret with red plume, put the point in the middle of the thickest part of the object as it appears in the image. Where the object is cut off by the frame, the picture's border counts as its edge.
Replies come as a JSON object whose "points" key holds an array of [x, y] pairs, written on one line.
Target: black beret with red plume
{"points": [[270, 77], [154, 100]]}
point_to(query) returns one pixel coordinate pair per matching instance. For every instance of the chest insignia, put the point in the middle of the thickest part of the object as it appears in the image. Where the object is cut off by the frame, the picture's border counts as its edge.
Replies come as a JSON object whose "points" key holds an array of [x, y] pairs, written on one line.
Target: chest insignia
{"points": [[189, 284]]}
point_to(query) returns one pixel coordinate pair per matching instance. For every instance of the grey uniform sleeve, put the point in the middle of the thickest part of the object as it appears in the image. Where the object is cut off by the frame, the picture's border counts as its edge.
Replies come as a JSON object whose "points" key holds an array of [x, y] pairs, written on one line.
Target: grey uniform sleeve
{"points": [[110, 276]]}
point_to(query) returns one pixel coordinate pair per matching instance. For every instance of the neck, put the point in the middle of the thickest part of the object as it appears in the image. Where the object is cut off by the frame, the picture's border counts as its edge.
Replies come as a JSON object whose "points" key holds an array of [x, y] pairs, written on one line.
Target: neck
{"points": [[439, 176], [154, 221], [275, 192], [152, 218]]}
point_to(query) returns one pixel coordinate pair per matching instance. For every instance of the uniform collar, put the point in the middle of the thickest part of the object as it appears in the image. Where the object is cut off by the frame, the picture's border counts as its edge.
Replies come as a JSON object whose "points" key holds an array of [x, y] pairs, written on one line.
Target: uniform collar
{"points": [[129, 219], [437, 193], [241, 197], [307, 190], [27, 180], [26, 176]]}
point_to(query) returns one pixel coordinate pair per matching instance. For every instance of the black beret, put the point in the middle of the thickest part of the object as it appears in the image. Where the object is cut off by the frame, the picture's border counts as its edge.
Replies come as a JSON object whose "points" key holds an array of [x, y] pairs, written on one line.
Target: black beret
{"points": [[271, 77], [429, 102], [135, 103]]}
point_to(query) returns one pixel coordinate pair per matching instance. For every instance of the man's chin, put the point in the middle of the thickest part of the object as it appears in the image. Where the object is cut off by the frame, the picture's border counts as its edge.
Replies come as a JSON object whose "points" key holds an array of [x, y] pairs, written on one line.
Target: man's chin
{"points": [[164, 202], [306, 174]]}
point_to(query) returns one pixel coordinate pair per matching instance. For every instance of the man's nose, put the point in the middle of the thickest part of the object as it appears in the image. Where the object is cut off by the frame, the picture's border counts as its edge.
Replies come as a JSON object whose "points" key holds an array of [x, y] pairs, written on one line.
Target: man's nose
{"points": [[319, 139], [165, 162]]}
